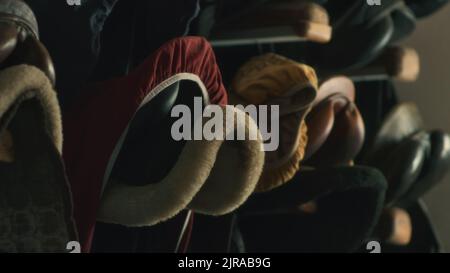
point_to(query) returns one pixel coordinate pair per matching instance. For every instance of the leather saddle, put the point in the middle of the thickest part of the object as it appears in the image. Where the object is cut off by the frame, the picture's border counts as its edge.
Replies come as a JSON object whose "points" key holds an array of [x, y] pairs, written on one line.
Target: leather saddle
{"points": [[414, 160], [148, 154], [36, 207], [282, 221], [149, 151], [239, 23], [36, 212], [272, 79], [353, 20], [335, 126], [19, 38]]}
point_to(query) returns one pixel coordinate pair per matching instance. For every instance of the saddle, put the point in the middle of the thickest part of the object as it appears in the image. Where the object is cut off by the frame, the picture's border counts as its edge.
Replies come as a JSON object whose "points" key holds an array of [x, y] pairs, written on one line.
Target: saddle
{"points": [[301, 215], [138, 175], [36, 207], [269, 21], [335, 126], [361, 32], [275, 80], [19, 42], [414, 160]]}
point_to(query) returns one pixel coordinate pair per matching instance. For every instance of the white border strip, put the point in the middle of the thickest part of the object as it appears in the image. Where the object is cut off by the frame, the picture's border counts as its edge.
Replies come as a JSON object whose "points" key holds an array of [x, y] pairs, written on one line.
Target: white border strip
{"points": [[153, 93]]}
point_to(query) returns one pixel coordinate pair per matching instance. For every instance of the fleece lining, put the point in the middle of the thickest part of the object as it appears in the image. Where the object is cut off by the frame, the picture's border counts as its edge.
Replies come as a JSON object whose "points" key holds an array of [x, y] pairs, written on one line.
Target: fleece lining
{"points": [[200, 180]]}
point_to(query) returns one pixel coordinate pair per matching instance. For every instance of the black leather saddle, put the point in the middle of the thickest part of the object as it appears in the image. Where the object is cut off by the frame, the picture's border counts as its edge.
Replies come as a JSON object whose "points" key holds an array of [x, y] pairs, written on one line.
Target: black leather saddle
{"points": [[148, 153], [361, 32], [412, 159], [19, 38], [346, 204], [149, 150]]}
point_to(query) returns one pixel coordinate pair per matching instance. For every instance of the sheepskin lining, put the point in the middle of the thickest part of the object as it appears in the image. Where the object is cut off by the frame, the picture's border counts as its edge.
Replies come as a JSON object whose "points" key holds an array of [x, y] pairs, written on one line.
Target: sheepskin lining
{"points": [[158, 89], [16, 81], [35, 200], [148, 205], [235, 174]]}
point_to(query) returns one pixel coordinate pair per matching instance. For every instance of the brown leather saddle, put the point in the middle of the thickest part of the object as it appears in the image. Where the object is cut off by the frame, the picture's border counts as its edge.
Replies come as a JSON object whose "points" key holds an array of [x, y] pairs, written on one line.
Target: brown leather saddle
{"points": [[335, 126]]}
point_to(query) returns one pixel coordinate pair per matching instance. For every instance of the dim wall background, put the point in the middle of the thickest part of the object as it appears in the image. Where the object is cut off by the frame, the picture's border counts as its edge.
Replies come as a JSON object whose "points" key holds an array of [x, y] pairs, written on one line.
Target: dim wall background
{"points": [[432, 94]]}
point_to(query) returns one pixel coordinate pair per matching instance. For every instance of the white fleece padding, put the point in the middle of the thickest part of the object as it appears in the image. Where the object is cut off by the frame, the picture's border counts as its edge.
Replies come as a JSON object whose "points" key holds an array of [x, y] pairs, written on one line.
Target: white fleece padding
{"points": [[152, 94], [202, 163], [236, 172], [29, 82]]}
